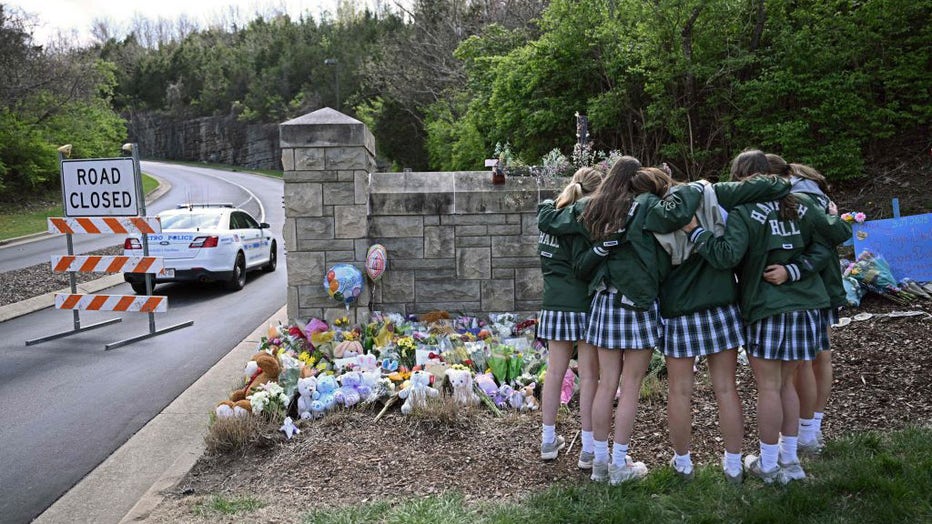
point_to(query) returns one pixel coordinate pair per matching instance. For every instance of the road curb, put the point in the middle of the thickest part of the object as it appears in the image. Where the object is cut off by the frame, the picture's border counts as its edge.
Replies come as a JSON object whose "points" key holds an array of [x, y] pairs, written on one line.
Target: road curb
{"points": [[134, 479]]}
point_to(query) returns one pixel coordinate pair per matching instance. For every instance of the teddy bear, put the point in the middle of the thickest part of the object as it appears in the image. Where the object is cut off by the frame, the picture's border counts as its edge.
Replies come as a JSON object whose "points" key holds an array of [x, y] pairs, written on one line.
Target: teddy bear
{"points": [[530, 401], [326, 389], [352, 389], [461, 381], [486, 383], [508, 396], [307, 394], [417, 392], [263, 367]]}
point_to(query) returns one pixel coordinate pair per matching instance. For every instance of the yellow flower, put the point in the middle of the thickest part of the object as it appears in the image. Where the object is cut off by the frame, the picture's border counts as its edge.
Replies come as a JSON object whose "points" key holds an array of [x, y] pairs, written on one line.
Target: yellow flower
{"points": [[304, 356]]}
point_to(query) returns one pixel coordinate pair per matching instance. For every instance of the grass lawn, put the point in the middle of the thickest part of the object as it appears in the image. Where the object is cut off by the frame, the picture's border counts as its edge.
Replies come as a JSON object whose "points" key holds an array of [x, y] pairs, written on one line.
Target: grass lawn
{"points": [[30, 217], [867, 477]]}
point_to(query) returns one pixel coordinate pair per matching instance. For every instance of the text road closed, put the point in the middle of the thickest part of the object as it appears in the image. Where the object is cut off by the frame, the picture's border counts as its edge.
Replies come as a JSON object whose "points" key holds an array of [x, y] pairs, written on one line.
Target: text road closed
{"points": [[99, 187]]}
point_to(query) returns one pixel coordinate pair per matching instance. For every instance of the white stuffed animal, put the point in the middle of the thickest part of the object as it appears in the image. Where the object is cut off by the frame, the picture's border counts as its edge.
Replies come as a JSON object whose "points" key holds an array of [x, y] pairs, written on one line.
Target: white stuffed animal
{"points": [[307, 394], [461, 381], [417, 392]]}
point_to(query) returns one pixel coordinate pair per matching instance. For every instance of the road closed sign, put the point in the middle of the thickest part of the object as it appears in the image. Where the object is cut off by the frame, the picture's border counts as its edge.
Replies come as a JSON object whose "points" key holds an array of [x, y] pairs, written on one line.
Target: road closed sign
{"points": [[99, 187]]}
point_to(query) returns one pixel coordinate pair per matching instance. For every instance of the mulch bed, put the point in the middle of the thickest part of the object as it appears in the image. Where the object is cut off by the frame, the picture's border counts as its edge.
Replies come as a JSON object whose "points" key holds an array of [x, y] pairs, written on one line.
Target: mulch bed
{"points": [[881, 383]]}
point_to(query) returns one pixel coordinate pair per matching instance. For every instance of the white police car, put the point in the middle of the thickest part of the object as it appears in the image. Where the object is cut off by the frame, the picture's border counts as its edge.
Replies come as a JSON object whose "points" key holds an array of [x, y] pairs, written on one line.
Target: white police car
{"points": [[205, 243]]}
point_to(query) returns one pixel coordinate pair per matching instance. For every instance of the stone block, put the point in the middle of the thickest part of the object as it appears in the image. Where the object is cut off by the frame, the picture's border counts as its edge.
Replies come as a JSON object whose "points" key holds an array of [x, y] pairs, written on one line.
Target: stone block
{"points": [[504, 229], [289, 234], [445, 272], [313, 228], [446, 290], [527, 307], [397, 285], [498, 295], [361, 186], [438, 241], [396, 226], [340, 256], [310, 176], [483, 241], [326, 127], [473, 263], [292, 294], [514, 246], [410, 203], [529, 284], [339, 193], [399, 249], [529, 225], [432, 220], [466, 231], [348, 158], [288, 159], [309, 159], [517, 262], [306, 268], [499, 273], [302, 199], [420, 263], [472, 307], [350, 221]]}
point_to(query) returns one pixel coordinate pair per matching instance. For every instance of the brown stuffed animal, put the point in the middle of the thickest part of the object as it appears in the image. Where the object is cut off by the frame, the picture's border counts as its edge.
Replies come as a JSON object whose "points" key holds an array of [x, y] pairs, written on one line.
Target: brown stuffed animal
{"points": [[261, 368]]}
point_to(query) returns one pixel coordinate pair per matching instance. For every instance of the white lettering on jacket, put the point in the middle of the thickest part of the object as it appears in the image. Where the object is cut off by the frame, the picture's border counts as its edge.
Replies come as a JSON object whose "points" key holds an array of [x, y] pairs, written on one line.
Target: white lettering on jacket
{"points": [[548, 240]]}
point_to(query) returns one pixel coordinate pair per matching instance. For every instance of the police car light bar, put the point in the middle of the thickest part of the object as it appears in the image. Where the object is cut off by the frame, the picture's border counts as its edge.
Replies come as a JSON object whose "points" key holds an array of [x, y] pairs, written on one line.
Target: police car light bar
{"points": [[207, 204]]}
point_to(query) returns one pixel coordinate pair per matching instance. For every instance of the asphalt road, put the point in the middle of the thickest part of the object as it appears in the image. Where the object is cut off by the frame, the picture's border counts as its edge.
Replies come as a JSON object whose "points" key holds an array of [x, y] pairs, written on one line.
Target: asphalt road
{"points": [[67, 404]]}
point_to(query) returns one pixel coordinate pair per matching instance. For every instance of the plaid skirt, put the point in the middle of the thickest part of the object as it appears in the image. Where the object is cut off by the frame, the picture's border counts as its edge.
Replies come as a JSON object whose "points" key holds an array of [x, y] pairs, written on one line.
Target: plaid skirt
{"points": [[612, 326], [827, 317], [703, 332], [562, 325], [785, 336]]}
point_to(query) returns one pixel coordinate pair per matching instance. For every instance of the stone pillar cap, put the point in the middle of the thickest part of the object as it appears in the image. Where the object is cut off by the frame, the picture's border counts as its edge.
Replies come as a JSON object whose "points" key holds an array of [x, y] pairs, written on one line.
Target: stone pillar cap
{"points": [[325, 127]]}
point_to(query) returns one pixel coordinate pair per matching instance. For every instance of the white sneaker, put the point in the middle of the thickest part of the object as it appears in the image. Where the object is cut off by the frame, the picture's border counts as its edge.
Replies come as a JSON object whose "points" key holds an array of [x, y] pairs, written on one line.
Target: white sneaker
{"points": [[683, 474], [630, 471], [809, 448], [790, 472], [599, 471], [551, 450], [585, 460], [752, 466]]}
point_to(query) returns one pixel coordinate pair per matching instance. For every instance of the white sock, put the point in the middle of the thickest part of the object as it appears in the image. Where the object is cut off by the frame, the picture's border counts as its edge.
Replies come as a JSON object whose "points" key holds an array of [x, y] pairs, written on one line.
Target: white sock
{"points": [[806, 430], [817, 421], [768, 456], [788, 449], [587, 444], [619, 452], [732, 463], [548, 433], [683, 463], [600, 448]]}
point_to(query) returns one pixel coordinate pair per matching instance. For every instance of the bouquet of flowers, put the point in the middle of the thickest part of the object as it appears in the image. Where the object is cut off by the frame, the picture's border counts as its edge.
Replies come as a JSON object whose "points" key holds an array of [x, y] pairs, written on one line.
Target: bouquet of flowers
{"points": [[270, 399], [873, 273], [854, 216]]}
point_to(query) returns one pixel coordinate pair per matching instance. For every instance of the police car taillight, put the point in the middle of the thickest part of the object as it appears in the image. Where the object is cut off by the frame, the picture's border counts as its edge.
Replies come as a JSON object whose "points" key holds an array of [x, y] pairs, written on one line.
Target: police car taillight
{"points": [[132, 243], [210, 241]]}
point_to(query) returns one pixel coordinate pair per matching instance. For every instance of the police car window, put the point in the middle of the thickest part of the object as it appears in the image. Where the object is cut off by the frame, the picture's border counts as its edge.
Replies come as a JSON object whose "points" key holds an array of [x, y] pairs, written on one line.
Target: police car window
{"points": [[190, 221], [250, 222], [238, 221]]}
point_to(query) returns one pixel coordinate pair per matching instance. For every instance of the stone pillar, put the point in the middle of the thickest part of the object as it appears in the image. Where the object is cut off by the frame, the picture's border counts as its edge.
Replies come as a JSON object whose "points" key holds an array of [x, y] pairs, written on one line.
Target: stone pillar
{"points": [[326, 157]]}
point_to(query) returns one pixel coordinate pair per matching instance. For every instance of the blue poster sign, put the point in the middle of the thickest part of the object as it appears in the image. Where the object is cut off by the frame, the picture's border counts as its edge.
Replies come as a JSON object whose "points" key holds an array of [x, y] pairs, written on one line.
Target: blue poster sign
{"points": [[906, 244]]}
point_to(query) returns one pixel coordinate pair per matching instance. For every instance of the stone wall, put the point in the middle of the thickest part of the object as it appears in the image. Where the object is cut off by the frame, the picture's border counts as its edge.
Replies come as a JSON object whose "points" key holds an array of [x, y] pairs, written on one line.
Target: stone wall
{"points": [[455, 241], [221, 139]]}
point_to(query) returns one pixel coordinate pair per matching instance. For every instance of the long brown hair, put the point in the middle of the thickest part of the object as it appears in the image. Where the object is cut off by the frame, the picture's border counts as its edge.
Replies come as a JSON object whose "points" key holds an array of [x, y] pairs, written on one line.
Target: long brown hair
{"points": [[753, 162], [810, 173], [585, 181], [607, 212]]}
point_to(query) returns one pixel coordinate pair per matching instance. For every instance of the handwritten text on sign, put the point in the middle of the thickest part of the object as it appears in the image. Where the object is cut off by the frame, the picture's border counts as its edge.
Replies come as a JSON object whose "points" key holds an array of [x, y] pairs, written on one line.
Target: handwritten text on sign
{"points": [[906, 244], [99, 187]]}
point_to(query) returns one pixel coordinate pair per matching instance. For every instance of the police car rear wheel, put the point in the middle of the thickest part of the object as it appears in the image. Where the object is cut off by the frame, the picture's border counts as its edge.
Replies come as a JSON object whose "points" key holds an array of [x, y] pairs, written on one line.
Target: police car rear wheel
{"points": [[238, 280], [273, 259]]}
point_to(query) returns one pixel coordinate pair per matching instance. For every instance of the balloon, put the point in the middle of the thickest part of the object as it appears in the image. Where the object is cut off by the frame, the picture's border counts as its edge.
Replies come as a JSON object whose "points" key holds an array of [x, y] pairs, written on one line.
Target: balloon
{"points": [[344, 283], [376, 259]]}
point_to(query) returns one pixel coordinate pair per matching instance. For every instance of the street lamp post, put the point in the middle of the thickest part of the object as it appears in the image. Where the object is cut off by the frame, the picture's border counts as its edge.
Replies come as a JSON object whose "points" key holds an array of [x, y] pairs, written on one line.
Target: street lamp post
{"points": [[336, 77]]}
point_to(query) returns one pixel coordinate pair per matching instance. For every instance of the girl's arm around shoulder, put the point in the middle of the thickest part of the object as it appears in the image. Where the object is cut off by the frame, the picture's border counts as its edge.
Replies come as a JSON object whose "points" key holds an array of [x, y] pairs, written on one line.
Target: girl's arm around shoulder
{"points": [[674, 210], [761, 188], [827, 229], [562, 221], [726, 251]]}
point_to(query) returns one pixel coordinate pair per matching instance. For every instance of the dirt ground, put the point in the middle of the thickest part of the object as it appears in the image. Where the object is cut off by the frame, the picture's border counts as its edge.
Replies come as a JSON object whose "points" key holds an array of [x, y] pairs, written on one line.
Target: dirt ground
{"points": [[881, 382]]}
